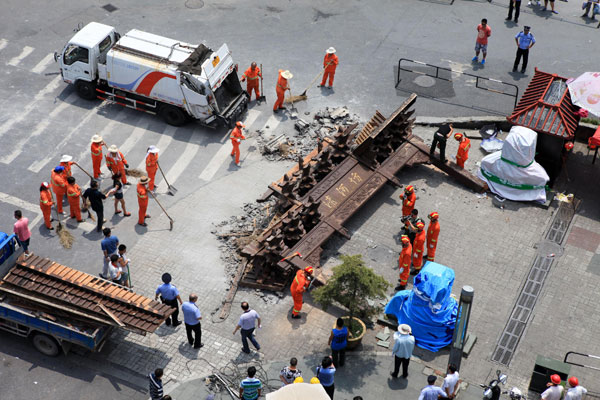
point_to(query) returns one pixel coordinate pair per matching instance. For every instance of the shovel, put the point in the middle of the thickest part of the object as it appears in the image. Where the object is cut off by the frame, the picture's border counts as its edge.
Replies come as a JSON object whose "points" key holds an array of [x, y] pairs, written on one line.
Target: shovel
{"points": [[172, 189], [293, 111], [262, 92], [162, 208]]}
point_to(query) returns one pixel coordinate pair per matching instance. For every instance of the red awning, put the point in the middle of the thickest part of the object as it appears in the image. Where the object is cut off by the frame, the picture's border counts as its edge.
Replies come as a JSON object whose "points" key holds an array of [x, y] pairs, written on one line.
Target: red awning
{"points": [[546, 107]]}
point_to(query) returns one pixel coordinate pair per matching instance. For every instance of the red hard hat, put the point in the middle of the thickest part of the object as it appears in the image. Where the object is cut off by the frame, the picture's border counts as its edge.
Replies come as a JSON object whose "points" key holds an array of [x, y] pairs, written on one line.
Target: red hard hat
{"points": [[569, 145], [404, 239], [409, 189], [434, 215], [573, 381], [458, 136], [239, 124], [555, 379], [309, 270], [420, 225]]}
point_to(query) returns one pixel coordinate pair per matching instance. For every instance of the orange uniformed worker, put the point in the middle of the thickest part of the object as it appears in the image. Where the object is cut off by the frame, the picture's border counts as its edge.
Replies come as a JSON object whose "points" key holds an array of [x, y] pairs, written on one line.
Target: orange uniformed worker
{"points": [[66, 162], [252, 74], [408, 200], [433, 231], [74, 196], [404, 262], [236, 138], [464, 145], [418, 247], [142, 193], [46, 204], [152, 165], [330, 63], [299, 285], [116, 162], [96, 150], [59, 186], [282, 86]]}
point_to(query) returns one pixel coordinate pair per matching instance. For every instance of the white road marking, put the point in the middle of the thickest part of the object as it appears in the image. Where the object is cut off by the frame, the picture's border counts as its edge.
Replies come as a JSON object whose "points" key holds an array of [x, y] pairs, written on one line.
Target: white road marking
{"points": [[165, 139], [182, 163], [38, 165], [3, 43], [24, 53], [41, 66], [136, 135], [15, 201], [7, 125], [39, 128]]}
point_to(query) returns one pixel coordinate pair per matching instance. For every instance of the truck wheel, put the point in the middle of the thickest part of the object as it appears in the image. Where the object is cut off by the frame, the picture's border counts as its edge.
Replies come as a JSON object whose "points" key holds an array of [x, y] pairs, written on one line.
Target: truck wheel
{"points": [[86, 90], [45, 344], [173, 115]]}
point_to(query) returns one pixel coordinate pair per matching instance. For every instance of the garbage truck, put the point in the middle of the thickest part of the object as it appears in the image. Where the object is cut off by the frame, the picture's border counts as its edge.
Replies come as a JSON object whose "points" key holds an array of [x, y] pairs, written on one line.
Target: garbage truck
{"points": [[176, 80]]}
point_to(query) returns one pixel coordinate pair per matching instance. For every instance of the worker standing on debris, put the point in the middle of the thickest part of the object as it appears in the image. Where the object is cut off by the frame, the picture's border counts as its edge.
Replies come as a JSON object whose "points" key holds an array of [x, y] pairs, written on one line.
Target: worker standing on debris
{"points": [[439, 138], [142, 193], [96, 150], [66, 162], [46, 204], [116, 162], [74, 196], [418, 246], [299, 285], [433, 231], [236, 138], [330, 63], [252, 74], [464, 145], [408, 200], [59, 186], [152, 165], [404, 262], [282, 86]]}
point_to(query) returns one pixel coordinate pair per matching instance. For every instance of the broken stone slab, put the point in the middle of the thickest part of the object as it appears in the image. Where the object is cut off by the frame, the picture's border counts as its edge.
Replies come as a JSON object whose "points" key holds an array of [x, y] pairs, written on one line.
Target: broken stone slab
{"points": [[383, 343], [301, 125], [382, 336], [339, 112]]}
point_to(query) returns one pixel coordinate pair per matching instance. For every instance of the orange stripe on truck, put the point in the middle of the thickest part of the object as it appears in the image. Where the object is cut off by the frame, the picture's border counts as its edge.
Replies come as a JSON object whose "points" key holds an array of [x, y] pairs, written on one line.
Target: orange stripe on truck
{"points": [[147, 84]]}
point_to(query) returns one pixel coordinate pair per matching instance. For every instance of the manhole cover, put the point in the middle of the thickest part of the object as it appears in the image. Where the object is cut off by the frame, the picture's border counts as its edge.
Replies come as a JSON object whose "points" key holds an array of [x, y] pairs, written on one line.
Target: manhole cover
{"points": [[109, 7], [548, 249], [424, 81], [194, 4]]}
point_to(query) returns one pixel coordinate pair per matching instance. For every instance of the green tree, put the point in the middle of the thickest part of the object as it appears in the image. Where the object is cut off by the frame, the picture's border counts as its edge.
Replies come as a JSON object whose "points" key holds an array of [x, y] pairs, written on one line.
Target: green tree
{"points": [[352, 285]]}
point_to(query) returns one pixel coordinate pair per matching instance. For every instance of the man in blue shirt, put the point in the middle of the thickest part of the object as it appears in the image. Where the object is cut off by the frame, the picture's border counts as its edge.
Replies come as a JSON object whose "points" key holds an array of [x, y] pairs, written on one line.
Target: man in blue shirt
{"points": [[525, 41], [432, 392], [192, 317], [109, 246], [338, 340], [169, 295], [404, 343]]}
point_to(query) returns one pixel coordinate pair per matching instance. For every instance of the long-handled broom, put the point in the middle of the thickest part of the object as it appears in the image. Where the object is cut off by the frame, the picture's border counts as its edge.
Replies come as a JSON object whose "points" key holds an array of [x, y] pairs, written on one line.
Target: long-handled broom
{"points": [[85, 207], [302, 96], [64, 236], [171, 189], [162, 208]]}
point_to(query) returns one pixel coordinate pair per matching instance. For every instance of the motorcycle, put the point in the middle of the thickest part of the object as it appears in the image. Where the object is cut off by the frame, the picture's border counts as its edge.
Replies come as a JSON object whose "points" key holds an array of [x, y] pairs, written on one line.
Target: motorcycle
{"points": [[492, 390]]}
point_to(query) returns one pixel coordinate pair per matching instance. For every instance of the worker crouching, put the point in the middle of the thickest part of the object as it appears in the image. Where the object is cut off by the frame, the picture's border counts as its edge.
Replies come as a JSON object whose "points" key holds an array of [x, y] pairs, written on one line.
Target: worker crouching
{"points": [[299, 285]]}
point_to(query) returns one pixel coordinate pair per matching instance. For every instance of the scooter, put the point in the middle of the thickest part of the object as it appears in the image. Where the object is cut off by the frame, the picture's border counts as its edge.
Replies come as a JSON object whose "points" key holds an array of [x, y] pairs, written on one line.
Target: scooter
{"points": [[492, 390]]}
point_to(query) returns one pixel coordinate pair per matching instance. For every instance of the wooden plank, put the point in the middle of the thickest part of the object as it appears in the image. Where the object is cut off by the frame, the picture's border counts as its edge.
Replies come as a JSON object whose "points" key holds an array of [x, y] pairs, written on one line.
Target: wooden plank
{"points": [[110, 314]]}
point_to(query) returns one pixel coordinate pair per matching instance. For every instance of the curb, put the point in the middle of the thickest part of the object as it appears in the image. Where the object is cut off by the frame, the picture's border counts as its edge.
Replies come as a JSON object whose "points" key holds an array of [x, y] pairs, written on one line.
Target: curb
{"points": [[465, 122]]}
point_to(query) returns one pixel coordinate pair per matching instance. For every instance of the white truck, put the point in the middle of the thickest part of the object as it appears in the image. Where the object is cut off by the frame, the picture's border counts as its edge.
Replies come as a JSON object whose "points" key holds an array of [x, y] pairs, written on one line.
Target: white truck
{"points": [[176, 80]]}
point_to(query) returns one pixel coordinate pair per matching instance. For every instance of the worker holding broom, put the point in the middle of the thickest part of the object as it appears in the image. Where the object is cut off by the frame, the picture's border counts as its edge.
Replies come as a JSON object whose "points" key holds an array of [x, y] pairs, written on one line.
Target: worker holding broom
{"points": [[116, 162], [142, 193], [330, 63], [252, 74], [152, 165], [59, 186], [66, 161], [282, 86], [96, 150], [236, 138]]}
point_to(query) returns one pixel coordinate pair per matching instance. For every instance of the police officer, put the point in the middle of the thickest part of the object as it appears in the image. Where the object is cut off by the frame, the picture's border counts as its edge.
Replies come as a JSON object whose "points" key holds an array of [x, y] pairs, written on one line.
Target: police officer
{"points": [[169, 295], [525, 41]]}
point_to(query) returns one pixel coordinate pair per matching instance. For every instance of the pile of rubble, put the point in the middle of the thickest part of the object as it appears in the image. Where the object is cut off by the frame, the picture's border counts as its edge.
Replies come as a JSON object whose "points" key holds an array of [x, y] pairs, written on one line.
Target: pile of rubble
{"points": [[277, 146]]}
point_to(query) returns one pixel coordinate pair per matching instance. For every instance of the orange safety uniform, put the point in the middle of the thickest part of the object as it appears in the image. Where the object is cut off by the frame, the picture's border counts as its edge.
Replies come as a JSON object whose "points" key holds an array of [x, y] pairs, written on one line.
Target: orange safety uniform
{"points": [[433, 231], [236, 134], [252, 77], [46, 204], [404, 264], [67, 166], [142, 193], [96, 150], [330, 63], [117, 165], [418, 246], [463, 151], [59, 186], [151, 167], [282, 86], [408, 203], [73, 195], [299, 285]]}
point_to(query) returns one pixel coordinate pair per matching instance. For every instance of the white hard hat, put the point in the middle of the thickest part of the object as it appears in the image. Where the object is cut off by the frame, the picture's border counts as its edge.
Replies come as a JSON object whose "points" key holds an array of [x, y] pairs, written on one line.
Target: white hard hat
{"points": [[66, 158], [153, 149], [330, 50], [113, 149], [287, 74]]}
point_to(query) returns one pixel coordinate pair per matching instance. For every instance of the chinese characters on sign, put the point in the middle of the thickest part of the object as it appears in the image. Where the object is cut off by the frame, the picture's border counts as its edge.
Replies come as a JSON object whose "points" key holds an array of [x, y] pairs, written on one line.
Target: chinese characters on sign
{"points": [[344, 189]]}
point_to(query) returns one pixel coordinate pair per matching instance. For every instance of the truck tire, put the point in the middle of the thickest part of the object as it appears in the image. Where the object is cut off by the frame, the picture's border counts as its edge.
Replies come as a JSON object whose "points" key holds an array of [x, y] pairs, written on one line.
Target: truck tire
{"points": [[86, 90], [45, 344], [173, 115]]}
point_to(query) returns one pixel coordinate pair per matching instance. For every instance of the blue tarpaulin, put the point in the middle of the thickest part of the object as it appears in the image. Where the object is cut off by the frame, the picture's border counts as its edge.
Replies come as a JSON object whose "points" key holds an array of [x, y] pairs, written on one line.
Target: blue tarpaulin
{"points": [[428, 307]]}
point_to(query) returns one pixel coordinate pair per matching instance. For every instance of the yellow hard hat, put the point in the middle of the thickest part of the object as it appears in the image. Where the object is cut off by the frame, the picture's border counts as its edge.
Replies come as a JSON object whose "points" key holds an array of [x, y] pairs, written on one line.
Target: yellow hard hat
{"points": [[314, 380], [299, 380]]}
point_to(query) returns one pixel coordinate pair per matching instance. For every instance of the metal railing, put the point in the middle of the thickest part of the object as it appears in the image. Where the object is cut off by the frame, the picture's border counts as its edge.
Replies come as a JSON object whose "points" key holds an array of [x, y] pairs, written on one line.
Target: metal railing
{"points": [[478, 78], [581, 365]]}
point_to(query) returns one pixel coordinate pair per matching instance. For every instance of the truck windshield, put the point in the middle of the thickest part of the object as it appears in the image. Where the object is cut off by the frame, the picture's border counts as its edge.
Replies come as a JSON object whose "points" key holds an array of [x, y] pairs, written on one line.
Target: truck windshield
{"points": [[75, 53]]}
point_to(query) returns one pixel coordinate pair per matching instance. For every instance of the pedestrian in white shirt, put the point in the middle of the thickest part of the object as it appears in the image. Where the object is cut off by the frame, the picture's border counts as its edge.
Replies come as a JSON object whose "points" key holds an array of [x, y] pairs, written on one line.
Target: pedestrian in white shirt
{"points": [[247, 324], [576, 392], [555, 390], [432, 392], [450, 385]]}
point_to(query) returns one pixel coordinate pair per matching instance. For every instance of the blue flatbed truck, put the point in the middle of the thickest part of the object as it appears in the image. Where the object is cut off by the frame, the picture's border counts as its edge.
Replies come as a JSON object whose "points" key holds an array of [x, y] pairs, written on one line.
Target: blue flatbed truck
{"points": [[48, 334]]}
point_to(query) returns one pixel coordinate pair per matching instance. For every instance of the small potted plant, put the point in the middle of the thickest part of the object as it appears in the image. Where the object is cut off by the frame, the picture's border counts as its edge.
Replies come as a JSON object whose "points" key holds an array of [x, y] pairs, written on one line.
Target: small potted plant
{"points": [[352, 285]]}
